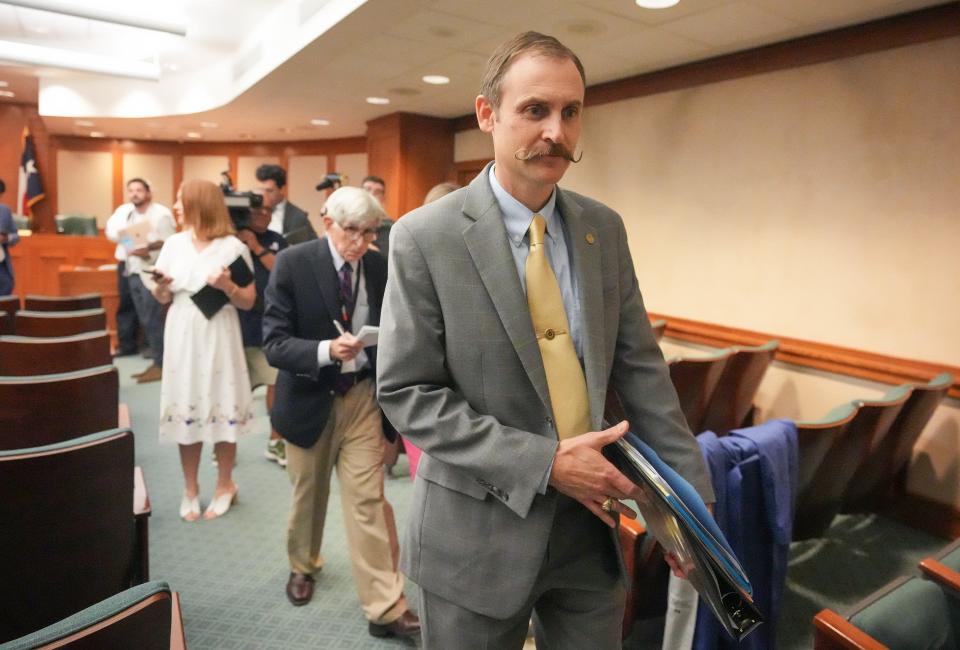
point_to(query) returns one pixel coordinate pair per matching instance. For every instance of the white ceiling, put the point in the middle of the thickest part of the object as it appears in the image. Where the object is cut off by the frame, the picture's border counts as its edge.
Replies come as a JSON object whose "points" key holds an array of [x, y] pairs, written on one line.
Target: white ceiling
{"points": [[382, 48]]}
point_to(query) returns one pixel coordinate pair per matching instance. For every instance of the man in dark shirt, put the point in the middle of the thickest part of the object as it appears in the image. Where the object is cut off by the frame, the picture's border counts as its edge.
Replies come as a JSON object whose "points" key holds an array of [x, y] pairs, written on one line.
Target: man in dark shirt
{"points": [[264, 244]]}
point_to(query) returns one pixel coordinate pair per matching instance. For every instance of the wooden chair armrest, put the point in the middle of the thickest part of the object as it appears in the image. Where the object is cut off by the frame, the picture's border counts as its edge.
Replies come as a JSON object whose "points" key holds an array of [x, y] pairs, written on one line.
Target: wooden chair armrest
{"points": [[834, 632], [940, 573], [177, 639], [141, 499], [123, 416]]}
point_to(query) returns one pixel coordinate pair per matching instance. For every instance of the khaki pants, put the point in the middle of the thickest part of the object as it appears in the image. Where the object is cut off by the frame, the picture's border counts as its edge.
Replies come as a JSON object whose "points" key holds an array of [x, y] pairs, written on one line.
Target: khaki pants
{"points": [[353, 442]]}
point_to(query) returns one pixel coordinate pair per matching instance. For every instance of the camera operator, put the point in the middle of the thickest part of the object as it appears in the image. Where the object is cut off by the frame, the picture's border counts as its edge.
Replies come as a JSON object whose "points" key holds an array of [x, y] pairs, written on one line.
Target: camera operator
{"points": [[264, 244], [286, 218]]}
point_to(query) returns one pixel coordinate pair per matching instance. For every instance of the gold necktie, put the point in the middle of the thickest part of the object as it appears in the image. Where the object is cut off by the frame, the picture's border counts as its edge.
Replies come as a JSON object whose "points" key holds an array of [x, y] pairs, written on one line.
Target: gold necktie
{"points": [[565, 381]]}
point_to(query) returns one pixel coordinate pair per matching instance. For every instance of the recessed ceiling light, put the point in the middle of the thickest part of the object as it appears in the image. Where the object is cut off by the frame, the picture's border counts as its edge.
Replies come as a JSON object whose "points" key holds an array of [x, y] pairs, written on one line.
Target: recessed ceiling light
{"points": [[209, 125], [436, 79], [4, 84], [194, 135], [319, 122], [380, 101], [172, 67], [7, 93], [96, 134], [656, 4], [83, 123]]}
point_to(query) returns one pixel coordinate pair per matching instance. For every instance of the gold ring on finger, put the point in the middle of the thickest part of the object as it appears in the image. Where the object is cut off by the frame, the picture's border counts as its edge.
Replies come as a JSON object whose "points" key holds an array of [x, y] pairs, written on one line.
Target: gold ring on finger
{"points": [[608, 504]]}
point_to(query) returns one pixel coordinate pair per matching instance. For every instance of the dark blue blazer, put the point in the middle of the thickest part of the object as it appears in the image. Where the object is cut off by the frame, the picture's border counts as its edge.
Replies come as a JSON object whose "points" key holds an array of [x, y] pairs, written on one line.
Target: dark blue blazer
{"points": [[754, 475], [301, 303]]}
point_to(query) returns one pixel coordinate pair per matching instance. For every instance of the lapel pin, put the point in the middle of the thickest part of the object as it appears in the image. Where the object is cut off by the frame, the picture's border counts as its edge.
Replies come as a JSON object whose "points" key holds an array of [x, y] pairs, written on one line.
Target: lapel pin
{"points": [[590, 238]]}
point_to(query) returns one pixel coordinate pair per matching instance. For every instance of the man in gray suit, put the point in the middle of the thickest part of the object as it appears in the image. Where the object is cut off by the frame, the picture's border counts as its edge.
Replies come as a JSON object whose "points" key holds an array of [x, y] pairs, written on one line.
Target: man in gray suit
{"points": [[287, 219], [514, 509]]}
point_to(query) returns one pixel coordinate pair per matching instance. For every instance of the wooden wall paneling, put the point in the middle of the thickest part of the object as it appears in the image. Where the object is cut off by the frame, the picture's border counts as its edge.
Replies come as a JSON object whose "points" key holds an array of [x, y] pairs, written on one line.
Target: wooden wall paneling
{"points": [[467, 170], [177, 174], [384, 157], [119, 193]]}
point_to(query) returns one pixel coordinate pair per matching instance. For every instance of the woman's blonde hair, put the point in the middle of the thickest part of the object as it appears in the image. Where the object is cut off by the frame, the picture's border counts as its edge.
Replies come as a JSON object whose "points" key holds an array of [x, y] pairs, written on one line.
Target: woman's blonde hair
{"points": [[204, 209]]}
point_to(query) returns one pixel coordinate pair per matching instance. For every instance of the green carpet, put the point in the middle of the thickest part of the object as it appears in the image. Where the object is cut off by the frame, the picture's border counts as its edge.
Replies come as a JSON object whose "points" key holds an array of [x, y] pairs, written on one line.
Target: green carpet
{"points": [[231, 572]]}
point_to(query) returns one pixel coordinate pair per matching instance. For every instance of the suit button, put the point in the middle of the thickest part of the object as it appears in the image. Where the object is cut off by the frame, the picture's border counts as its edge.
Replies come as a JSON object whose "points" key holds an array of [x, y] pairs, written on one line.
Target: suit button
{"points": [[332, 393], [549, 421], [549, 334]]}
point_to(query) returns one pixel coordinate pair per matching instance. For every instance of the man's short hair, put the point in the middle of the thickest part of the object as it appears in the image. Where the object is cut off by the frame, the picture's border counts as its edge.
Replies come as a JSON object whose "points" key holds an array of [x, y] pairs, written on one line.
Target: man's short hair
{"points": [[374, 179], [142, 181], [273, 173], [352, 206], [504, 56]]}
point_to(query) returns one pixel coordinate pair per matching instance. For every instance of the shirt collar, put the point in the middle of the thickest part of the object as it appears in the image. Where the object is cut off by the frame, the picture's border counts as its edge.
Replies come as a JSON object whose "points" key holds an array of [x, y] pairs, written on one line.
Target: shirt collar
{"points": [[280, 207], [517, 217], [337, 258]]}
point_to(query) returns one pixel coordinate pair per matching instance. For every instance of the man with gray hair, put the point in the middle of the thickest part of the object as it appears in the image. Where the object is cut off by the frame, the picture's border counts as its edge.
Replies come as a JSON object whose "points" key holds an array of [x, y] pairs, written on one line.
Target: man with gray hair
{"points": [[321, 293]]}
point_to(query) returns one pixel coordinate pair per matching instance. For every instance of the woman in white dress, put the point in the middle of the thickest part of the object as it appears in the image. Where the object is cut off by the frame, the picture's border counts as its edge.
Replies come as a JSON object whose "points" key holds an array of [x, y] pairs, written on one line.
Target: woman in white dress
{"points": [[205, 394]]}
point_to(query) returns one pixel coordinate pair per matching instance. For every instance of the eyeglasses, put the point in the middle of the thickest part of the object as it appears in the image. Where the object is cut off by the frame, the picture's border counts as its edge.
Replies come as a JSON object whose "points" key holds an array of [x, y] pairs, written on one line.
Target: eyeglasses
{"points": [[356, 233]]}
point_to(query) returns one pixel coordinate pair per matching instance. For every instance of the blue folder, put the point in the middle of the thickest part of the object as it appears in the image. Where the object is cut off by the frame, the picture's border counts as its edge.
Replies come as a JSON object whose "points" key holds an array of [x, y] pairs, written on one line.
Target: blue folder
{"points": [[680, 521]]}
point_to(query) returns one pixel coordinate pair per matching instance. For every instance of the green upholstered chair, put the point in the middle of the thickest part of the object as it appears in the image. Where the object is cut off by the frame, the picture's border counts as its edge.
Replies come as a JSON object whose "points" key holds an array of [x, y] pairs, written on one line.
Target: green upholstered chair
{"points": [[59, 323], [69, 534], [30, 355], [944, 569], [909, 614], [658, 327], [76, 224], [732, 400], [48, 409], [21, 222], [34, 302], [695, 379], [145, 617]]}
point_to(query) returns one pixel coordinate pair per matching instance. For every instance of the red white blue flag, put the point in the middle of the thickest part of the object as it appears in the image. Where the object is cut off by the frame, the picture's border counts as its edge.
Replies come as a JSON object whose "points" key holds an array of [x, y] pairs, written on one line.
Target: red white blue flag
{"points": [[30, 186]]}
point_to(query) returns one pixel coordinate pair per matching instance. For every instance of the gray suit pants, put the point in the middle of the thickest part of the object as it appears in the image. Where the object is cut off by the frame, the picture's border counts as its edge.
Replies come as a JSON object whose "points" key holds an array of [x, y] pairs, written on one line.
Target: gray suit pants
{"points": [[577, 601]]}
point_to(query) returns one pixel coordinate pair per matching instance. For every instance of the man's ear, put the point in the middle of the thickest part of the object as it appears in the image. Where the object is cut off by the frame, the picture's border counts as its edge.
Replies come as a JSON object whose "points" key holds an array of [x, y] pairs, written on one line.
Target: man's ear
{"points": [[485, 114]]}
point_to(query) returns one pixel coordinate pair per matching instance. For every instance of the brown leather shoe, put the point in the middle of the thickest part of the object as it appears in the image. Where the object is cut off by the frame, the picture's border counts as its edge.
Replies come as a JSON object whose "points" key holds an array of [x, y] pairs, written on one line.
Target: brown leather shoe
{"points": [[299, 588], [407, 625], [153, 373]]}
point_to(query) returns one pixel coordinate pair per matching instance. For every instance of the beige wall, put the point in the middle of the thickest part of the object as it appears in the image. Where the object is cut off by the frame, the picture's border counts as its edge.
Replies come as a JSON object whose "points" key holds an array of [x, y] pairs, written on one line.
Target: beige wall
{"points": [[302, 177], [207, 168], [354, 165], [472, 145], [84, 184], [156, 169]]}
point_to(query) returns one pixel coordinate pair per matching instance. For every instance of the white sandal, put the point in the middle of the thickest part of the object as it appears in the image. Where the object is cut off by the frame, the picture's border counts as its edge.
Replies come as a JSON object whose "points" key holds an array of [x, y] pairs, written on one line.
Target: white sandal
{"points": [[220, 505], [190, 506]]}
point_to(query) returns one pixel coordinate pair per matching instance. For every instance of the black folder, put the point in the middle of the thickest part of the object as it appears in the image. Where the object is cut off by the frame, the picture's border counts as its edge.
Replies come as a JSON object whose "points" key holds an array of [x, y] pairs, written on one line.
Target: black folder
{"points": [[681, 523], [210, 300]]}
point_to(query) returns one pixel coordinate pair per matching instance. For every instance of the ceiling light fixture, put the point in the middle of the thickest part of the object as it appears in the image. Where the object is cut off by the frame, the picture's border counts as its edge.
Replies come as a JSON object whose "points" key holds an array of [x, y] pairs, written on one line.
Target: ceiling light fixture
{"points": [[26, 54], [656, 4], [319, 122], [209, 125], [97, 134], [435, 79], [86, 123], [104, 14], [194, 135], [7, 93], [379, 101], [4, 84]]}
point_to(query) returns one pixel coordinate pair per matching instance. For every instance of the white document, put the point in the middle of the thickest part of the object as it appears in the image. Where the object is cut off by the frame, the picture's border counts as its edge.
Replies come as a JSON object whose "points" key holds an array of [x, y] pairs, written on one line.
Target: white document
{"points": [[369, 334]]}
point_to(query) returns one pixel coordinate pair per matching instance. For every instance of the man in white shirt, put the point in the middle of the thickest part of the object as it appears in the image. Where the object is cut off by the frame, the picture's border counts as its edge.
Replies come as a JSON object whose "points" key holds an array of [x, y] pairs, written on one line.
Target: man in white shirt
{"points": [[287, 219], [138, 248]]}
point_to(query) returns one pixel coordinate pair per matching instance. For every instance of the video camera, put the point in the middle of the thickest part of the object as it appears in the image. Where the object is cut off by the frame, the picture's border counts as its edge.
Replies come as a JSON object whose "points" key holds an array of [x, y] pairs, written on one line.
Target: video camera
{"points": [[333, 179], [238, 203]]}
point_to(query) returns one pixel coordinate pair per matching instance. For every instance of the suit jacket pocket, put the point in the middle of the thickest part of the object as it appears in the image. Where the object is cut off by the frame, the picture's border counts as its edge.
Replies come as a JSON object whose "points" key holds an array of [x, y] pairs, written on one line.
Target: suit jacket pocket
{"points": [[446, 476]]}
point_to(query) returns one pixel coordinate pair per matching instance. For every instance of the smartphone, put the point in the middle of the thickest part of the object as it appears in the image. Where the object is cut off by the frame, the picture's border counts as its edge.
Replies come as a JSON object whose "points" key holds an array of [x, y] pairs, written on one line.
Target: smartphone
{"points": [[154, 272]]}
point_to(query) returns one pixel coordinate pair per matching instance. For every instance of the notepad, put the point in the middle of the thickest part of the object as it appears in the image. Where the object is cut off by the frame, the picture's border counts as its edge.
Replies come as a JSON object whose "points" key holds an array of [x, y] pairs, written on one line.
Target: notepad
{"points": [[210, 300], [136, 236], [369, 334]]}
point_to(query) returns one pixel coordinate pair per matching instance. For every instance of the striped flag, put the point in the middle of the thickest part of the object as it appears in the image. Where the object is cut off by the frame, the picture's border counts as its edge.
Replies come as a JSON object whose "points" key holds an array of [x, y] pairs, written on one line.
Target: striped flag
{"points": [[30, 190]]}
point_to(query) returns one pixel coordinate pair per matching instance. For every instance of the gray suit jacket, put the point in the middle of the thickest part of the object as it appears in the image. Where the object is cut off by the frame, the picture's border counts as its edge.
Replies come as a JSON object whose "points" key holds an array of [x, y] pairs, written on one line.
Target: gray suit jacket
{"points": [[460, 374]]}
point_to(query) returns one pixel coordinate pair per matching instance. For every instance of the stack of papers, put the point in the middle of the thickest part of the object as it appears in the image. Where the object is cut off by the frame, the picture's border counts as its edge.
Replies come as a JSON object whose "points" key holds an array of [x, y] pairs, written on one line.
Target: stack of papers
{"points": [[681, 523]]}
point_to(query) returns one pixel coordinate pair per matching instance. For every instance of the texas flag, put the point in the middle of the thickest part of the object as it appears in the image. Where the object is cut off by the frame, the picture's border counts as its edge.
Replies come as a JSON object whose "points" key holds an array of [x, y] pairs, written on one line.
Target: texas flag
{"points": [[30, 189]]}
